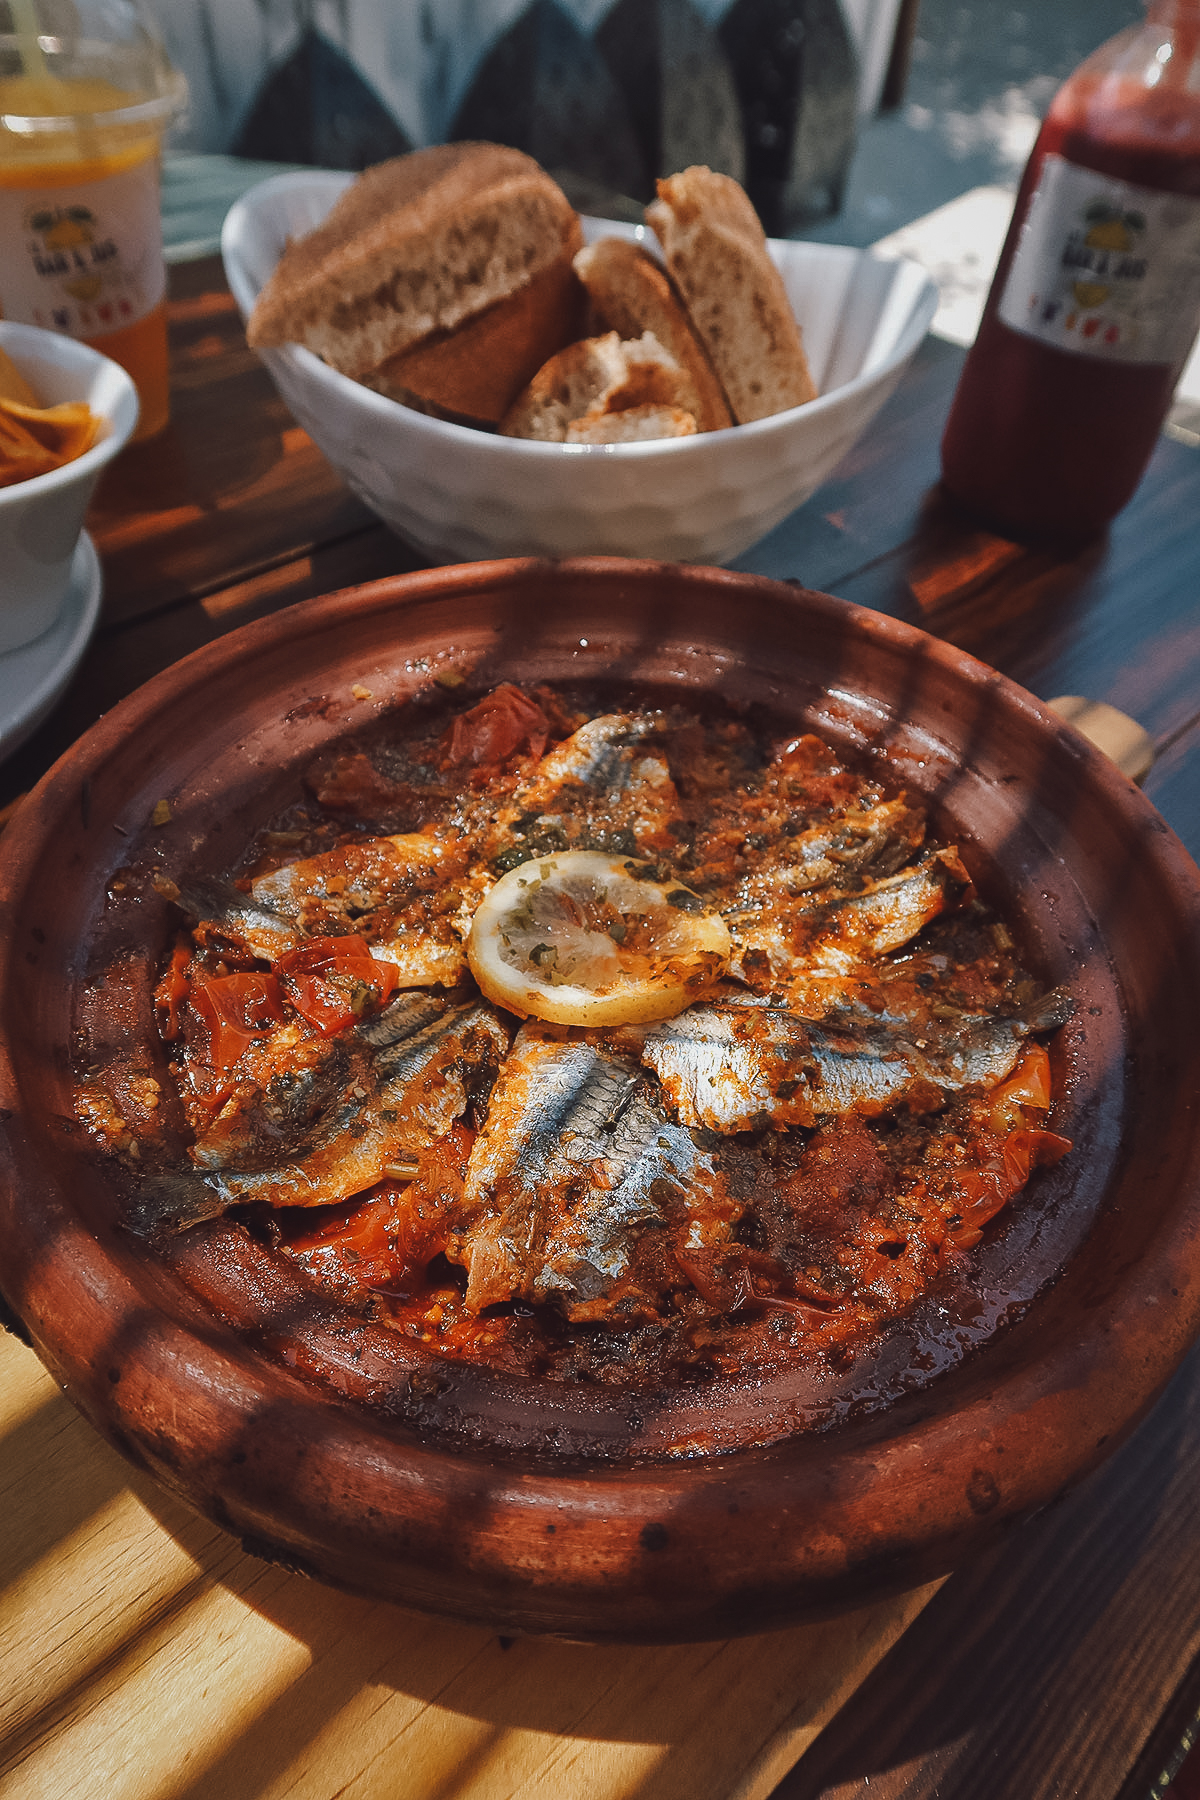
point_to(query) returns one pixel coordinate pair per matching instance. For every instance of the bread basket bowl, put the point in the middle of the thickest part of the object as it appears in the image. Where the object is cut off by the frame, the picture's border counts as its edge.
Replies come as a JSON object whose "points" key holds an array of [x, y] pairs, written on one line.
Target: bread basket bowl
{"points": [[458, 494]]}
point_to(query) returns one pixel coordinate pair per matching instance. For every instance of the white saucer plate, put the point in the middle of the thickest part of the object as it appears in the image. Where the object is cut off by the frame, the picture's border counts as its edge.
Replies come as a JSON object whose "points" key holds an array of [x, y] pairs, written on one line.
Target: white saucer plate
{"points": [[34, 677]]}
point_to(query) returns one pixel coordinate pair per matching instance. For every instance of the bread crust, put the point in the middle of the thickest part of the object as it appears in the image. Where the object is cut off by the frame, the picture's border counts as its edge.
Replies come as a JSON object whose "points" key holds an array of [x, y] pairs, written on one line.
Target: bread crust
{"points": [[598, 377], [717, 253], [630, 294], [414, 247], [475, 372]]}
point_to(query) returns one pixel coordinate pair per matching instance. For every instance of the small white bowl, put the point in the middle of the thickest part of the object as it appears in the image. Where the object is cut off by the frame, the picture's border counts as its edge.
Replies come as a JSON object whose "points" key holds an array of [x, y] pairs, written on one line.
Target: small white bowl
{"points": [[41, 519], [459, 494]]}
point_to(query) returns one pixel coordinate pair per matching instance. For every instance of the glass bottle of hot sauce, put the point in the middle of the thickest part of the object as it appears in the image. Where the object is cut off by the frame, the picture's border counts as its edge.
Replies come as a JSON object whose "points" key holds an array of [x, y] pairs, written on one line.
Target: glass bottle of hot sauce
{"points": [[86, 93], [1096, 298]]}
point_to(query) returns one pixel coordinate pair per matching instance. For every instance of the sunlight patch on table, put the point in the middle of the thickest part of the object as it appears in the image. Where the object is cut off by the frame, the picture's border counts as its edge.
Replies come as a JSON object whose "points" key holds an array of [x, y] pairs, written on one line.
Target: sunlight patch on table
{"points": [[25, 1386], [959, 245], [61, 1607], [443, 1755], [168, 1705], [248, 594]]}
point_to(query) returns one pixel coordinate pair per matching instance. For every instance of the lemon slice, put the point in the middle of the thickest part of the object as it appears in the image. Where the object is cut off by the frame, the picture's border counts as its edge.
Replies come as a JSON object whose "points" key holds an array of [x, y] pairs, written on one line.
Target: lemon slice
{"points": [[588, 939]]}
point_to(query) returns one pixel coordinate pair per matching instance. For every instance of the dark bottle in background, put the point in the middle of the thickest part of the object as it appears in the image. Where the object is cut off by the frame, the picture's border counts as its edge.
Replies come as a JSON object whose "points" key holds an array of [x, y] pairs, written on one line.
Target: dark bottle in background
{"points": [[677, 86], [796, 73], [544, 88]]}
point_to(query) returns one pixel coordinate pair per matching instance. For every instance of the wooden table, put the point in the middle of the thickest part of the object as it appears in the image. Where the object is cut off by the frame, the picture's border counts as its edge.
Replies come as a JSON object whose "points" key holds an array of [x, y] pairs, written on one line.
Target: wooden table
{"points": [[1067, 1664]]}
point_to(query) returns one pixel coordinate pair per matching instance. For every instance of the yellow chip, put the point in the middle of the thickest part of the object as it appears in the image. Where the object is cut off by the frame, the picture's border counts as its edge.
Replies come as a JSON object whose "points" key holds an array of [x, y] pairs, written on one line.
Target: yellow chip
{"points": [[13, 385], [36, 439]]}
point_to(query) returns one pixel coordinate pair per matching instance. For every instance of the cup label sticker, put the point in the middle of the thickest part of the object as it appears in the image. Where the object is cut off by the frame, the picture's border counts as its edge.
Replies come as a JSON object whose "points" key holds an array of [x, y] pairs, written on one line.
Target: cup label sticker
{"points": [[1105, 268], [86, 259]]}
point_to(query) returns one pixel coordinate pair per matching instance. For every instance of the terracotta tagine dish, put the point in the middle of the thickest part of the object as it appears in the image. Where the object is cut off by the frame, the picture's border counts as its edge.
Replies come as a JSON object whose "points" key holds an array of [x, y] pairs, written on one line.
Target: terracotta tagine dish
{"points": [[564, 1487]]}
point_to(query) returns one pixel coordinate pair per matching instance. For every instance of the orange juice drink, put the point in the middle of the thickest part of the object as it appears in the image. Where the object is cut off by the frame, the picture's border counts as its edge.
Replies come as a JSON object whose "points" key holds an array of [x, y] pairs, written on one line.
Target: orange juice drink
{"points": [[80, 223]]}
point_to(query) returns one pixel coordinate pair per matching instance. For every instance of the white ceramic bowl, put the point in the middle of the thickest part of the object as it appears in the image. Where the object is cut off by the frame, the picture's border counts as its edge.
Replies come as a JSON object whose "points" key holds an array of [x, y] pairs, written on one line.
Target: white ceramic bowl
{"points": [[41, 520], [458, 494]]}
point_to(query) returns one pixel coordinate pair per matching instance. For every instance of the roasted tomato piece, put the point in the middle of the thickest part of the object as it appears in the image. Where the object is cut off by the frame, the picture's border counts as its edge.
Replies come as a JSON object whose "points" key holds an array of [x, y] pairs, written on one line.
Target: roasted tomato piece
{"points": [[491, 732], [172, 990], [1028, 1085], [236, 1009], [333, 981], [987, 1188]]}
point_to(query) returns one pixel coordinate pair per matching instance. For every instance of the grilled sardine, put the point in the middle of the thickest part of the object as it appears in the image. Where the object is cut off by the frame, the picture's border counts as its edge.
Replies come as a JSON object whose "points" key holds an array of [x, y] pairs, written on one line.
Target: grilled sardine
{"points": [[574, 1156], [387, 1089], [740, 1067]]}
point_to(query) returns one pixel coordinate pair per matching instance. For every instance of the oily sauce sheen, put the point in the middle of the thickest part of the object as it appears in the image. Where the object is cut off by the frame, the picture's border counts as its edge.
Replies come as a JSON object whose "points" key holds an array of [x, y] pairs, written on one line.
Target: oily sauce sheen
{"points": [[853, 1090]]}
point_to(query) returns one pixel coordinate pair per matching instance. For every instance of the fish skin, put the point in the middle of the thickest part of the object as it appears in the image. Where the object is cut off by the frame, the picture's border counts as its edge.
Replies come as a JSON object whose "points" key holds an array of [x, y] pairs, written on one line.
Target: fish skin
{"points": [[837, 853], [889, 913], [603, 778], [574, 1155], [220, 907], [599, 755], [1050, 1010], [423, 961], [813, 932], [338, 890], [391, 1084], [723, 1065], [171, 1201], [282, 1114], [418, 1093], [274, 918], [291, 1079], [357, 877], [394, 1024]]}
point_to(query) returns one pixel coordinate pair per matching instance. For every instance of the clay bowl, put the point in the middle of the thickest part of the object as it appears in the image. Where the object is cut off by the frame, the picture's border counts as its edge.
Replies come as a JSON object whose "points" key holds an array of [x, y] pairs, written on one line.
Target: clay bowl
{"points": [[666, 1516]]}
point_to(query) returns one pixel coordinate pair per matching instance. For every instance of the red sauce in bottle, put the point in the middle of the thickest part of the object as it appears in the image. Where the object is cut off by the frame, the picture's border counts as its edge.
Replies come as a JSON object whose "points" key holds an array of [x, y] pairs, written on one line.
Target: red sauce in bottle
{"points": [[1044, 441]]}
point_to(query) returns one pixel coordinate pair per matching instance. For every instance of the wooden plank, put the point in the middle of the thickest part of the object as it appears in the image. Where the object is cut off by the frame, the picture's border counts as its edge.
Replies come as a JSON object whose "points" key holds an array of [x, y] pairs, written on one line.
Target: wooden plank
{"points": [[143, 1654], [1066, 623], [1174, 786], [232, 487], [124, 655], [876, 499], [1043, 1672]]}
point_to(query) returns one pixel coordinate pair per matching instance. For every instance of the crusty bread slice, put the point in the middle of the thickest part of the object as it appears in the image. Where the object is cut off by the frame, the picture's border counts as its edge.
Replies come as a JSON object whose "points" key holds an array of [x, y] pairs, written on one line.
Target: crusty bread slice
{"points": [[634, 425], [597, 377], [474, 373], [717, 252], [630, 293], [563, 389], [415, 246]]}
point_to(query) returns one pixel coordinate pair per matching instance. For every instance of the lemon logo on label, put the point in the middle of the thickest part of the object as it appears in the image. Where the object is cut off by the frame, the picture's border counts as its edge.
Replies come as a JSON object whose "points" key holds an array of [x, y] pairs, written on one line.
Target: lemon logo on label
{"points": [[1111, 234], [61, 234], [63, 228], [1110, 228]]}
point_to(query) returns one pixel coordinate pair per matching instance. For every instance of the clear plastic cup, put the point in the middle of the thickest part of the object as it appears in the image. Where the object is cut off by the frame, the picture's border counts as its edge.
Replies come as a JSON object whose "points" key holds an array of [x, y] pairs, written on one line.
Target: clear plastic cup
{"points": [[86, 93]]}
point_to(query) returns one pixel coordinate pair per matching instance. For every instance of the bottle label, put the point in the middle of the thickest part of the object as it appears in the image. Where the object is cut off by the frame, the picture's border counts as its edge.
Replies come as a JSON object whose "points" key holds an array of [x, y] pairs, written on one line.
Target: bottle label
{"points": [[85, 259], [1105, 268]]}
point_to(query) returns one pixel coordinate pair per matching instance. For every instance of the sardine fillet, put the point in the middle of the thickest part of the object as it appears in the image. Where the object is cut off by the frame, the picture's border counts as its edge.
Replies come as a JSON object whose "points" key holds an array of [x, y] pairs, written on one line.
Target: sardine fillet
{"points": [[573, 1156], [734, 1068], [411, 1073], [731, 1068]]}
